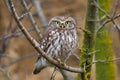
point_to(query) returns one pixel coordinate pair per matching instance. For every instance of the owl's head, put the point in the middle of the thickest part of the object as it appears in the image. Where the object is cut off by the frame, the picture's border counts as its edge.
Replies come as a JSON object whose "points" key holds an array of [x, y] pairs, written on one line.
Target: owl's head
{"points": [[62, 22]]}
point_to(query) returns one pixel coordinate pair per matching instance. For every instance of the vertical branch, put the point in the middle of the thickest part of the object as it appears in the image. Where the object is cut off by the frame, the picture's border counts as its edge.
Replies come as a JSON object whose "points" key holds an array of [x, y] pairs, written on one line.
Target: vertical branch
{"points": [[32, 19], [89, 41], [40, 12]]}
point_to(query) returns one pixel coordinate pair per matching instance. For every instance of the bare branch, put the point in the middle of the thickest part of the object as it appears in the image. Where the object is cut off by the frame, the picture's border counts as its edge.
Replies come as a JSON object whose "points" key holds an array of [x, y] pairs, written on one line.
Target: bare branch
{"points": [[86, 31], [16, 34], [101, 61], [107, 21], [22, 16], [41, 15], [96, 4], [66, 75], [32, 19], [35, 44], [54, 73], [115, 8], [110, 19], [17, 60], [116, 26], [76, 56]]}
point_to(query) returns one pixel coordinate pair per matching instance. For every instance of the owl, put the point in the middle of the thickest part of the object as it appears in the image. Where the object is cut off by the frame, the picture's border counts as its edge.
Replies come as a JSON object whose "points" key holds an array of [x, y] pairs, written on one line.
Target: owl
{"points": [[59, 41]]}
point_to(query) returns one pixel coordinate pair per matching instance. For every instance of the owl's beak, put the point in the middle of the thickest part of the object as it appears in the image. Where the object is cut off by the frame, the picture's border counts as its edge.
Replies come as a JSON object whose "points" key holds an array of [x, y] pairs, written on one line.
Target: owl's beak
{"points": [[62, 26]]}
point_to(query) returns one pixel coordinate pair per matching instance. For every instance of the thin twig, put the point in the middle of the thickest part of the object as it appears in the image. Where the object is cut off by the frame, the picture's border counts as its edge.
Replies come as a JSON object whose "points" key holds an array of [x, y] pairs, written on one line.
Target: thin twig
{"points": [[107, 21], [54, 73], [36, 45], [102, 61], [39, 10], [86, 31], [32, 19], [76, 56], [102, 10], [22, 16], [115, 8], [108, 16], [17, 60], [25, 13], [116, 26], [114, 13], [16, 34]]}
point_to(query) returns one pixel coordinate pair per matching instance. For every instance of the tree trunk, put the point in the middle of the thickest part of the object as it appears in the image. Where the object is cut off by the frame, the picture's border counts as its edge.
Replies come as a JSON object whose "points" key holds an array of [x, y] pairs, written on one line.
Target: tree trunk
{"points": [[88, 46]]}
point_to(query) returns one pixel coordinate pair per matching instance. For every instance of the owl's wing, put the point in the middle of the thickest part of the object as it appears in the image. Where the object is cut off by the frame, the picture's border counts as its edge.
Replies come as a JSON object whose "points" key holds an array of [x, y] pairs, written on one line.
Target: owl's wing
{"points": [[48, 38]]}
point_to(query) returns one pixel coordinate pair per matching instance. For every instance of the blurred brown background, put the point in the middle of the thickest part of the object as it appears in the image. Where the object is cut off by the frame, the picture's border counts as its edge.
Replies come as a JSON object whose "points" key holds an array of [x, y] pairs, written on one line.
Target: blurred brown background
{"points": [[16, 47]]}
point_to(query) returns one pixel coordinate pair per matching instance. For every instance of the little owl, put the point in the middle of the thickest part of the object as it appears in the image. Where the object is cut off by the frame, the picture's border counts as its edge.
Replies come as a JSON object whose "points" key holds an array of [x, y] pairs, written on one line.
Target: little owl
{"points": [[59, 41]]}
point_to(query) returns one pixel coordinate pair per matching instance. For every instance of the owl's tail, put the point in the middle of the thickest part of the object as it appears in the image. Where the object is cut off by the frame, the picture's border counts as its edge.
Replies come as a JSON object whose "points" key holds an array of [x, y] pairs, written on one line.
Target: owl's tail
{"points": [[39, 65]]}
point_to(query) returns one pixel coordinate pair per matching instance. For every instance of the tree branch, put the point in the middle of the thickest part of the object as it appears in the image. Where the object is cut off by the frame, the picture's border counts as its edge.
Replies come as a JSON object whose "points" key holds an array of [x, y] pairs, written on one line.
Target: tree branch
{"points": [[36, 45], [107, 21], [101, 61], [37, 5], [17, 60], [32, 19], [115, 8], [110, 19]]}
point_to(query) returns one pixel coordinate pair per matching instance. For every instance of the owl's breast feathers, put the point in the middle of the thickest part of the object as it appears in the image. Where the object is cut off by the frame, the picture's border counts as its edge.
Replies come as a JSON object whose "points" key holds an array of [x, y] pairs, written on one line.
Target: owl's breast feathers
{"points": [[59, 42]]}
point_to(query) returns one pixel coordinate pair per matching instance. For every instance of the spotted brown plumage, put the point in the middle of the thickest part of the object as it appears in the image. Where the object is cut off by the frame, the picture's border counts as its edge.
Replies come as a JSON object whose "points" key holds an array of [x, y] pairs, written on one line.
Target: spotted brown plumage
{"points": [[59, 41]]}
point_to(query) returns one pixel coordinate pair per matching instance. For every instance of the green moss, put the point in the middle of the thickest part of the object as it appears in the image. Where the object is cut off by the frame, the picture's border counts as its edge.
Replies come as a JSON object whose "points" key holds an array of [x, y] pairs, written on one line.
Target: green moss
{"points": [[88, 75], [88, 45], [104, 4], [104, 71]]}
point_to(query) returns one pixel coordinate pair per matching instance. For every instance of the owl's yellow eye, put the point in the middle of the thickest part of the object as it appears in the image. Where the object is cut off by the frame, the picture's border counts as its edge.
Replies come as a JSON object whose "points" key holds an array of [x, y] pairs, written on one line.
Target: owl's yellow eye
{"points": [[67, 22], [57, 22]]}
